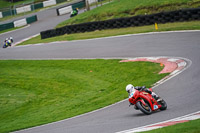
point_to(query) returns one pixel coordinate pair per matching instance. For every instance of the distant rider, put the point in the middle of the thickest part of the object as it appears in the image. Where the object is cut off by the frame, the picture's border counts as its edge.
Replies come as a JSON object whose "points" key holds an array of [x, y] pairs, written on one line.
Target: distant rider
{"points": [[74, 12], [9, 41]]}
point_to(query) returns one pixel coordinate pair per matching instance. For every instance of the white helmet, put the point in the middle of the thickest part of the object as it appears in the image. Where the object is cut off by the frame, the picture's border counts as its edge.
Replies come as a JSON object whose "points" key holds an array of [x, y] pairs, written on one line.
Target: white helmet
{"points": [[129, 88], [6, 39]]}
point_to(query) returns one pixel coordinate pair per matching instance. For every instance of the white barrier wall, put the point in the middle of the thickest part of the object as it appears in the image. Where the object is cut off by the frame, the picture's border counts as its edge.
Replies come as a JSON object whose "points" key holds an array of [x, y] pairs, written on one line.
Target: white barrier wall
{"points": [[49, 3], [1, 16], [92, 1], [23, 9], [20, 23], [65, 10]]}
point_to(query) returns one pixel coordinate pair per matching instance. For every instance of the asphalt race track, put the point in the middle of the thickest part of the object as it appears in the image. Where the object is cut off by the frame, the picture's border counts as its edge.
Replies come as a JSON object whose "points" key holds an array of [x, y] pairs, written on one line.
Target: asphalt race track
{"points": [[181, 92], [47, 19]]}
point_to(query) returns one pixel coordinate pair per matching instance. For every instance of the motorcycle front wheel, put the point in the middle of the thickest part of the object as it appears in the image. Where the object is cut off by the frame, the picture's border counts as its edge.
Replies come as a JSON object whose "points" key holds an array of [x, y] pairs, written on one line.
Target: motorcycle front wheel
{"points": [[146, 109], [164, 105]]}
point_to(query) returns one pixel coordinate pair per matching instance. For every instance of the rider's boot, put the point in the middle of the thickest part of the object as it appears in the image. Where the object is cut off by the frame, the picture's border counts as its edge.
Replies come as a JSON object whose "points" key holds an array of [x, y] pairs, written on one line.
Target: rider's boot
{"points": [[156, 97]]}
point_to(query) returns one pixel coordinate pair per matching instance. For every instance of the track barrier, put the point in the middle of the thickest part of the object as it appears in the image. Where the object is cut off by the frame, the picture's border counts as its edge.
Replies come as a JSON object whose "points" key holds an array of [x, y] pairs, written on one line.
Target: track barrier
{"points": [[18, 23], [69, 8], [141, 20]]}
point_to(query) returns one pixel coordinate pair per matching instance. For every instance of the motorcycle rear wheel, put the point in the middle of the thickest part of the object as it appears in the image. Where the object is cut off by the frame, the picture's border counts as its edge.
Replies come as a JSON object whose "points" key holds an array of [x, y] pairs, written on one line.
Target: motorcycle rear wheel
{"points": [[145, 109], [4, 46]]}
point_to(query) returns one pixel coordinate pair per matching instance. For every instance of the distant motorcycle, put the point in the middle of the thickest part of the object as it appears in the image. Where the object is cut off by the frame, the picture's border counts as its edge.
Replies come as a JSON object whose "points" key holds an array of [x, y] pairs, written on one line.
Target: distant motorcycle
{"points": [[144, 102], [8, 42], [74, 12]]}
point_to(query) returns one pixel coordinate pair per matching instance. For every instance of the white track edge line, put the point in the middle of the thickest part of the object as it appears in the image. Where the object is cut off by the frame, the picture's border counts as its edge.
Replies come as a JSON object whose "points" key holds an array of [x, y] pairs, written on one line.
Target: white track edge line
{"points": [[15, 30], [174, 119]]}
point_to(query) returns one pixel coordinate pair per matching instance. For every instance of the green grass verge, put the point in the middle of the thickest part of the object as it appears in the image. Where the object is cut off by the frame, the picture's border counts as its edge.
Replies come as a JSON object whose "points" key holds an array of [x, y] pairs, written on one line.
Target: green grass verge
{"points": [[193, 25], [42, 91], [4, 31], [128, 8], [5, 4], [187, 127]]}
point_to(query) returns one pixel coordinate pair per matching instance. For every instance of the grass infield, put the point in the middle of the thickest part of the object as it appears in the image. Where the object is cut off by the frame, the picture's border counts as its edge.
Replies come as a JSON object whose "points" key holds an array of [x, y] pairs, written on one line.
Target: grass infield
{"points": [[35, 92], [129, 8]]}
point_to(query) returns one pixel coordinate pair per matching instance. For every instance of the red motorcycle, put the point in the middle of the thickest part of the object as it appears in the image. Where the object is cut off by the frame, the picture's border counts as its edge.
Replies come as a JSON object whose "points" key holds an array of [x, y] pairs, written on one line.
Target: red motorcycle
{"points": [[145, 102]]}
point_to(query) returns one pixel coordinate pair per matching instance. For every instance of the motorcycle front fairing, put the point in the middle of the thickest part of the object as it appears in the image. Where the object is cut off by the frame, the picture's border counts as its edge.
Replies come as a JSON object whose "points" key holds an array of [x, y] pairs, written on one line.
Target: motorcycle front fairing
{"points": [[136, 96], [133, 97]]}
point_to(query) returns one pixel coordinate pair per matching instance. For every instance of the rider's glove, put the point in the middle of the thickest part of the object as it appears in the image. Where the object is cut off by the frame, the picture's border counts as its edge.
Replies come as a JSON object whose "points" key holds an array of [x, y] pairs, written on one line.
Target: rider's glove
{"points": [[147, 90]]}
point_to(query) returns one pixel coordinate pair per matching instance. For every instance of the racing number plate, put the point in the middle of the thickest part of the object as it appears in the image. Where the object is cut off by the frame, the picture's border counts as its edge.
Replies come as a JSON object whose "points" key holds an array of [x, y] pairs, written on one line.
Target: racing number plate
{"points": [[155, 107], [132, 93]]}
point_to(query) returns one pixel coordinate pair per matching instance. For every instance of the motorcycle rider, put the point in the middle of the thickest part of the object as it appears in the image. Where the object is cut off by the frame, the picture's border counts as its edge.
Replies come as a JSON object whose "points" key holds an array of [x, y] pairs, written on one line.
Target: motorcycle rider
{"points": [[130, 88], [74, 12], [9, 41]]}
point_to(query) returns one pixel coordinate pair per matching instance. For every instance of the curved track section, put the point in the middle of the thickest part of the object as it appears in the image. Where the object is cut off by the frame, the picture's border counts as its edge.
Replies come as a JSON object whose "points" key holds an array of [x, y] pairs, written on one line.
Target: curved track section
{"points": [[181, 93], [47, 19]]}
